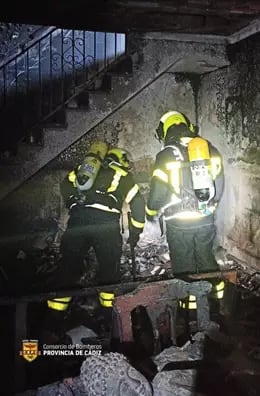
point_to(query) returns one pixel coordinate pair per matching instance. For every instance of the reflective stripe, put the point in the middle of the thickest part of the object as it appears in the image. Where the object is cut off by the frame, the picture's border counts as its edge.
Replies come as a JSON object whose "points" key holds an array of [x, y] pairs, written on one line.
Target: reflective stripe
{"points": [[72, 178], [218, 290], [103, 207], [161, 175], [150, 212], [117, 169], [137, 224], [106, 299], [59, 303], [215, 166], [115, 182], [188, 303], [131, 193], [174, 201], [174, 168], [185, 215], [176, 152]]}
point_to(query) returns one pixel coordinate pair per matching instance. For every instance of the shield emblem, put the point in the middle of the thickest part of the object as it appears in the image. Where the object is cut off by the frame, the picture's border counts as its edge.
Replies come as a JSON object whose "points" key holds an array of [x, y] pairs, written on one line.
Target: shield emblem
{"points": [[30, 350]]}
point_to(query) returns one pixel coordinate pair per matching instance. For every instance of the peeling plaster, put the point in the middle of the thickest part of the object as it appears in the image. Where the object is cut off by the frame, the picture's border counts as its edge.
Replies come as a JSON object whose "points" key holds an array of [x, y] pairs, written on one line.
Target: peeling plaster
{"points": [[229, 106]]}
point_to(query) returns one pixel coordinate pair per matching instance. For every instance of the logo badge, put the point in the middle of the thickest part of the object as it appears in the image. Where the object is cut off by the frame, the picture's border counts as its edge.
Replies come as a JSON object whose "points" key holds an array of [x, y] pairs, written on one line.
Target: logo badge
{"points": [[30, 350]]}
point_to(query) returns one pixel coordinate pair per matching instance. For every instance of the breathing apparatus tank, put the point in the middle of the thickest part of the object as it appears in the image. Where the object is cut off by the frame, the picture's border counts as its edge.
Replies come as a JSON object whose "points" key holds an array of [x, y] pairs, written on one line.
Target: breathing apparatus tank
{"points": [[88, 170], [199, 157]]}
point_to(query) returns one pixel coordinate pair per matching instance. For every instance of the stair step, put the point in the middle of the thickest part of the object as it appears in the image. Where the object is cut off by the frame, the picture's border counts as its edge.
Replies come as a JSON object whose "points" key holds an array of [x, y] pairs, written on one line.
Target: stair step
{"points": [[27, 152], [34, 137], [103, 83], [122, 67], [81, 101], [7, 170], [57, 120]]}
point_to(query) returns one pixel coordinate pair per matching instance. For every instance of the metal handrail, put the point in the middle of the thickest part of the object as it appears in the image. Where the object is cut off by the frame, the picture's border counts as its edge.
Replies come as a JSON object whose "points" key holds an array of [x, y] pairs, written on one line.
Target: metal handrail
{"points": [[49, 72]]}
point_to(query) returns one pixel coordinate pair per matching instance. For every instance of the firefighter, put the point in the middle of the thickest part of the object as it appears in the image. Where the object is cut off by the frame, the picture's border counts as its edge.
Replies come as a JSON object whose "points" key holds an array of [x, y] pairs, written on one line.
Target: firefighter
{"points": [[186, 187], [94, 217]]}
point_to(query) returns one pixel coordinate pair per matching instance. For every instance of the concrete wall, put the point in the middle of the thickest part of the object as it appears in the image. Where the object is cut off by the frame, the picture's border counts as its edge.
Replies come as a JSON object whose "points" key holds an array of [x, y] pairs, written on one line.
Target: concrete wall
{"points": [[229, 117], [30, 209], [227, 114], [13, 36]]}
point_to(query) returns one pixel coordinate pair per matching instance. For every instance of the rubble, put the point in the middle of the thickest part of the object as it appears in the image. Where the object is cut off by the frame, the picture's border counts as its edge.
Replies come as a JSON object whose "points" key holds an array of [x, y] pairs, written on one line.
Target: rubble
{"points": [[112, 375], [80, 333], [177, 366]]}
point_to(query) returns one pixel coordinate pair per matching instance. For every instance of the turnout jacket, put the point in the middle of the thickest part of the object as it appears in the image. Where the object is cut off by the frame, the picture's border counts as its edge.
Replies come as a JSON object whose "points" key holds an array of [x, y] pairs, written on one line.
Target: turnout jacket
{"points": [[113, 186], [171, 189]]}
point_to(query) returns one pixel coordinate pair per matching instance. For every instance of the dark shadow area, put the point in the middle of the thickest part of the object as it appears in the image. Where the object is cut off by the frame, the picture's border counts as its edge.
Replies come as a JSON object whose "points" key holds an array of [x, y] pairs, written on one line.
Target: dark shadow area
{"points": [[23, 114], [231, 355], [230, 367]]}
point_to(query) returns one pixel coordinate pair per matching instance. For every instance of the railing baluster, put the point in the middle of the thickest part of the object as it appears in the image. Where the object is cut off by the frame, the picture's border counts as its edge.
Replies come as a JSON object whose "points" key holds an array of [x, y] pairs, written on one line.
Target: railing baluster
{"points": [[73, 60], [95, 51], [84, 54], [51, 82], [39, 105], [42, 61], [62, 67], [27, 75], [115, 38], [105, 50], [16, 77], [4, 85]]}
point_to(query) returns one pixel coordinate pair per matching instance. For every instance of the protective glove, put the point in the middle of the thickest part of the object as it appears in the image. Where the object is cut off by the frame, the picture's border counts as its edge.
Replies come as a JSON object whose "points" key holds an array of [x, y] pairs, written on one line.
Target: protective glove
{"points": [[134, 235]]}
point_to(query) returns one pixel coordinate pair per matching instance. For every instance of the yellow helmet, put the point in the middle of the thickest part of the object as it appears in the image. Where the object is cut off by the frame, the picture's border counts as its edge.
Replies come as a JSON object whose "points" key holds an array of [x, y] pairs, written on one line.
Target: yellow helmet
{"points": [[119, 155], [173, 118]]}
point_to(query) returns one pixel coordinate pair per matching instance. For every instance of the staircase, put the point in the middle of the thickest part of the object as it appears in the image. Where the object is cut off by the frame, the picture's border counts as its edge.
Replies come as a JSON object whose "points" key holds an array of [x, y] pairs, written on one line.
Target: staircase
{"points": [[94, 83]]}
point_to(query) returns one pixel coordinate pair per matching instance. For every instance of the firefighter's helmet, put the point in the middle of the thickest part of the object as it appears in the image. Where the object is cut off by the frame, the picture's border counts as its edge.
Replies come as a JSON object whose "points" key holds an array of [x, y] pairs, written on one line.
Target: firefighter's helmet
{"points": [[175, 118], [120, 156]]}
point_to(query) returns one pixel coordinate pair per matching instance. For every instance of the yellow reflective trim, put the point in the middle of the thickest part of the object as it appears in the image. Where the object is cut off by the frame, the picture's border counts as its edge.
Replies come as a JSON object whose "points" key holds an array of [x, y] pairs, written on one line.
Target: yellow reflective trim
{"points": [[220, 286], [137, 224], [59, 304], [186, 215], [173, 165], [150, 212], [131, 193], [72, 178], [103, 207], [218, 290], [220, 295], [215, 166], [189, 303], [115, 182], [174, 168], [118, 169], [106, 295], [174, 200], [106, 299], [161, 175]]}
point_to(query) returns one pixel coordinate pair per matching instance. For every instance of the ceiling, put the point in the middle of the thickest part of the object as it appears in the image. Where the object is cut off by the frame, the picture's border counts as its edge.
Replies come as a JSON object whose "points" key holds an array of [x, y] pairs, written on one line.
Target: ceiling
{"points": [[217, 17]]}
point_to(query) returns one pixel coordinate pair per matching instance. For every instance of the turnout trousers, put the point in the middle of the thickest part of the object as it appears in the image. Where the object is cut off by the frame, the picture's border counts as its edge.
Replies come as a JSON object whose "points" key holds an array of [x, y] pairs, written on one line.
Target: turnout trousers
{"points": [[190, 245], [89, 227]]}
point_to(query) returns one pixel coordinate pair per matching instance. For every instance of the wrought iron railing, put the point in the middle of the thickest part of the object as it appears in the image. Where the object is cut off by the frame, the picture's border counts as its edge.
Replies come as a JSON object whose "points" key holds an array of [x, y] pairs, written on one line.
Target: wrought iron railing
{"points": [[46, 75]]}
